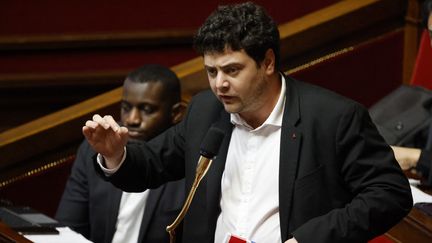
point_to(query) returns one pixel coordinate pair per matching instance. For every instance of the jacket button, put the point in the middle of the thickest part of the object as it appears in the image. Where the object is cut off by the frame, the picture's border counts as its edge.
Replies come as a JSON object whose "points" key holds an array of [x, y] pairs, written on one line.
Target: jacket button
{"points": [[399, 126]]}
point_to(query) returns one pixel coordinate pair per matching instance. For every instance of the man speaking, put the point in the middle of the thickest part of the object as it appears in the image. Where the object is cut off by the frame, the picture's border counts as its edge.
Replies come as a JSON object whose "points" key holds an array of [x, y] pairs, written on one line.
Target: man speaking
{"points": [[298, 163]]}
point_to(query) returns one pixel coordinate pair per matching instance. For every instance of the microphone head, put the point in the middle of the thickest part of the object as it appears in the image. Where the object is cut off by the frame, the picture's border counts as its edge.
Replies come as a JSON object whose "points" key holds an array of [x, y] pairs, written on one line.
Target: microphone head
{"points": [[212, 142]]}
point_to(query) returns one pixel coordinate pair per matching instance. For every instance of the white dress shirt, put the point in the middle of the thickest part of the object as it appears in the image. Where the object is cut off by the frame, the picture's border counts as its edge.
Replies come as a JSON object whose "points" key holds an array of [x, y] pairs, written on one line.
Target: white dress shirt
{"points": [[131, 212], [250, 182]]}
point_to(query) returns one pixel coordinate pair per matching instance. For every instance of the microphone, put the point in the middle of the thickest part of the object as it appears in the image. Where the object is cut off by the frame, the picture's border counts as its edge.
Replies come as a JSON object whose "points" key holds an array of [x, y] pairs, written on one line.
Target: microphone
{"points": [[208, 151]]}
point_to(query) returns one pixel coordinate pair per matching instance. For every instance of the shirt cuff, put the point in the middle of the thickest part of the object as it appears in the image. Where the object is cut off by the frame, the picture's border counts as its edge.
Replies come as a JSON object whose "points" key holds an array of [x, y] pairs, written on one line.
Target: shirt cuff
{"points": [[109, 172]]}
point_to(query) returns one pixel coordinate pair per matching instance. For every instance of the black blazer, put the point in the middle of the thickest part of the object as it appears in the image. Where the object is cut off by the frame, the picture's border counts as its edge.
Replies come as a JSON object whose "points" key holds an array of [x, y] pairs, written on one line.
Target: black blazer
{"points": [[90, 205], [338, 179]]}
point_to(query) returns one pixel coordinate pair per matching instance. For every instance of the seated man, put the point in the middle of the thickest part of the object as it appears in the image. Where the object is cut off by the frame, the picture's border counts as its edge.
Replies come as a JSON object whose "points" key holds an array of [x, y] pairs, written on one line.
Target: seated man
{"points": [[420, 159], [102, 212]]}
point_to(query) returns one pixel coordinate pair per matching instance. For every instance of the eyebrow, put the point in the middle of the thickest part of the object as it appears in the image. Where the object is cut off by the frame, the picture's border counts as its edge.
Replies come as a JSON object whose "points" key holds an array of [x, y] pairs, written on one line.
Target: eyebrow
{"points": [[144, 103], [206, 66], [227, 65]]}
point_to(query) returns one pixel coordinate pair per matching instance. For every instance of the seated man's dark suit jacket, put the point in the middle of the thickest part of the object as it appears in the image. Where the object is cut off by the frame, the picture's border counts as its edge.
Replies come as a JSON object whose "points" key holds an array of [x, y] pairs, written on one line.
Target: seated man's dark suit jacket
{"points": [[90, 205], [338, 179]]}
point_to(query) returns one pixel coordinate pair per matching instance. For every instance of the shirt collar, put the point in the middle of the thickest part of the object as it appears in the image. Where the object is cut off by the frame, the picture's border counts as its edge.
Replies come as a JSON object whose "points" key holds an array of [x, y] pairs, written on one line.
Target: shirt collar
{"points": [[275, 117]]}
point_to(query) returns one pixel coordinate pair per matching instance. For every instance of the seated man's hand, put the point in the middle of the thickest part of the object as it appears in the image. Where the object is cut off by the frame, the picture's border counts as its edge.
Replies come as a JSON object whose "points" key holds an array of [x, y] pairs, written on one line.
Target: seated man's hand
{"points": [[107, 138], [406, 157], [292, 240]]}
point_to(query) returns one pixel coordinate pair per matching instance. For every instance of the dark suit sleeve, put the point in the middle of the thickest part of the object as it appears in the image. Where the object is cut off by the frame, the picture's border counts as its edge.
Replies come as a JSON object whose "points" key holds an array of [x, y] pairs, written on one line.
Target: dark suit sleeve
{"points": [[380, 192], [73, 210], [424, 165]]}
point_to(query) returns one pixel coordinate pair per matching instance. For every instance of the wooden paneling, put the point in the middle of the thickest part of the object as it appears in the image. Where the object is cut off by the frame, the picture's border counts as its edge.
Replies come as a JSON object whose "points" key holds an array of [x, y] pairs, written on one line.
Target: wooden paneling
{"points": [[21, 17], [412, 37], [343, 24]]}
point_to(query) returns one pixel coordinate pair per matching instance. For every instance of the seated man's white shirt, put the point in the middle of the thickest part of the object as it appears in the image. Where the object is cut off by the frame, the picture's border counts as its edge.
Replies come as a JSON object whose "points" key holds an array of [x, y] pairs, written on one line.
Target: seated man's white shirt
{"points": [[131, 209], [250, 182], [129, 218]]}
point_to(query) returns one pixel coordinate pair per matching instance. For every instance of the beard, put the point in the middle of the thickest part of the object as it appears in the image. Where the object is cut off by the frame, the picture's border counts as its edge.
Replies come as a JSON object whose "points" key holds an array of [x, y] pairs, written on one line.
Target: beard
{"points": [[249, 102]]}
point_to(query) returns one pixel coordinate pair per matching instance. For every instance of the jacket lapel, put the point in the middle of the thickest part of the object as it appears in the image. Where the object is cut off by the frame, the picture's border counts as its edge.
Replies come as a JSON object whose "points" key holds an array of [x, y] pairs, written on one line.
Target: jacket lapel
{"points": [[113, 210], [291, 137], [150, 207]]}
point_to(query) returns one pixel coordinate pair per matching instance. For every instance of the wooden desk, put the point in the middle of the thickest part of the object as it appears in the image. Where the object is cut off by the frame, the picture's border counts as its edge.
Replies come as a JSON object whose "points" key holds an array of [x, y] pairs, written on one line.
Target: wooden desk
{"points": [[414, 228], [7, 235]]}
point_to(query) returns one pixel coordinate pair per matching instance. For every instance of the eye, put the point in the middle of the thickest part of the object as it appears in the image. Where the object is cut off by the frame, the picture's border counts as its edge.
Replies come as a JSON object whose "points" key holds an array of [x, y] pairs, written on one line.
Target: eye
{"points": [[211, 72], [125, 107], [232, 70], [148, 109]]}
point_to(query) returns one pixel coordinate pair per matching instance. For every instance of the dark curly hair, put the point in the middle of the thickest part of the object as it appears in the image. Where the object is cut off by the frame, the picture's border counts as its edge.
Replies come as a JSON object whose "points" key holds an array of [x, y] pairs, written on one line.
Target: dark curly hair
{"points": [[244, 26]]}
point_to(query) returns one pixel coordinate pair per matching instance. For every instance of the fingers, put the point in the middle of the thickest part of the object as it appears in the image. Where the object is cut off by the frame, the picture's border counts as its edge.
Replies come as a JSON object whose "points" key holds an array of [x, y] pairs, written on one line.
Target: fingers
{"points": [[123, 130], [101, 121], [123, 133], [87, 132], [89, 129], [91, 124], [105, 122], [110, 121]]}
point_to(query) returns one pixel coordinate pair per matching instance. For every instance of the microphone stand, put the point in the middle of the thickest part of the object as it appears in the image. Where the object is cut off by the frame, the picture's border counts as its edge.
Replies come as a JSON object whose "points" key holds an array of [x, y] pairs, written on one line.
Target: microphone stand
{"points": [[201, 170], [209, 148]]}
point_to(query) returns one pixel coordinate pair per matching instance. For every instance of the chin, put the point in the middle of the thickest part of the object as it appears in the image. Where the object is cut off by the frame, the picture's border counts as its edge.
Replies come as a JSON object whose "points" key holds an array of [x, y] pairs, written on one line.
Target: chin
{"points": [[137, 138], [231, 108]]}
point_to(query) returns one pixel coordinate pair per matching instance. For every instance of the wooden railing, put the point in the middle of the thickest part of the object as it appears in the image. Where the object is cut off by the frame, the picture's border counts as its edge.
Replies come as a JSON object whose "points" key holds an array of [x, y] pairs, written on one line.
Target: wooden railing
{"points": [[342, 24], [97, 40]]}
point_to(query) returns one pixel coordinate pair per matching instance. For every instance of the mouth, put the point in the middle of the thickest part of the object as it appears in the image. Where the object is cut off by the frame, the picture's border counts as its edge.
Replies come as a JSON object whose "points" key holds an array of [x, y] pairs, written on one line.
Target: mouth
{"points": [[135, 133], [226, 99]]}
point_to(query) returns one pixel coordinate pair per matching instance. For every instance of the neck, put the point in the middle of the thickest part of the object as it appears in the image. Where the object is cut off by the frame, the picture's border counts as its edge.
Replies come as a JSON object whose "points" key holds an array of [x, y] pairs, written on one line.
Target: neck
{"points": [[269, 99]]}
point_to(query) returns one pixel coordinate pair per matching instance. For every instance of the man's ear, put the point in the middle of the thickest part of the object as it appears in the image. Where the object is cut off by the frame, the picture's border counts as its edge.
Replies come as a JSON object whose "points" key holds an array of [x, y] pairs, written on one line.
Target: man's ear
{"points": [[269, 62], [177, 112]]}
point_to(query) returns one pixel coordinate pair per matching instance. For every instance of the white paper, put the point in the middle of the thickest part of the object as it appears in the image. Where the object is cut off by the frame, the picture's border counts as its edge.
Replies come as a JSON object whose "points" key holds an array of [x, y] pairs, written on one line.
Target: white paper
{"points": [[420, 196], [66, 236]]}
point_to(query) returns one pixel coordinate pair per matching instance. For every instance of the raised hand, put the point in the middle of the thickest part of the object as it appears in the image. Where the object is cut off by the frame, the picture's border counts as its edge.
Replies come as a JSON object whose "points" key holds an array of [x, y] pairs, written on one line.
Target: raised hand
{"points": [[107, 138]]}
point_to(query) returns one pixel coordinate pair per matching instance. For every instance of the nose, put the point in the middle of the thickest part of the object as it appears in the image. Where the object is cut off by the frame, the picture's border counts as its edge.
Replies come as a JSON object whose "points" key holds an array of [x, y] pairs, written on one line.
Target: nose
{"points": [[221, 81], [134, 118]]}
